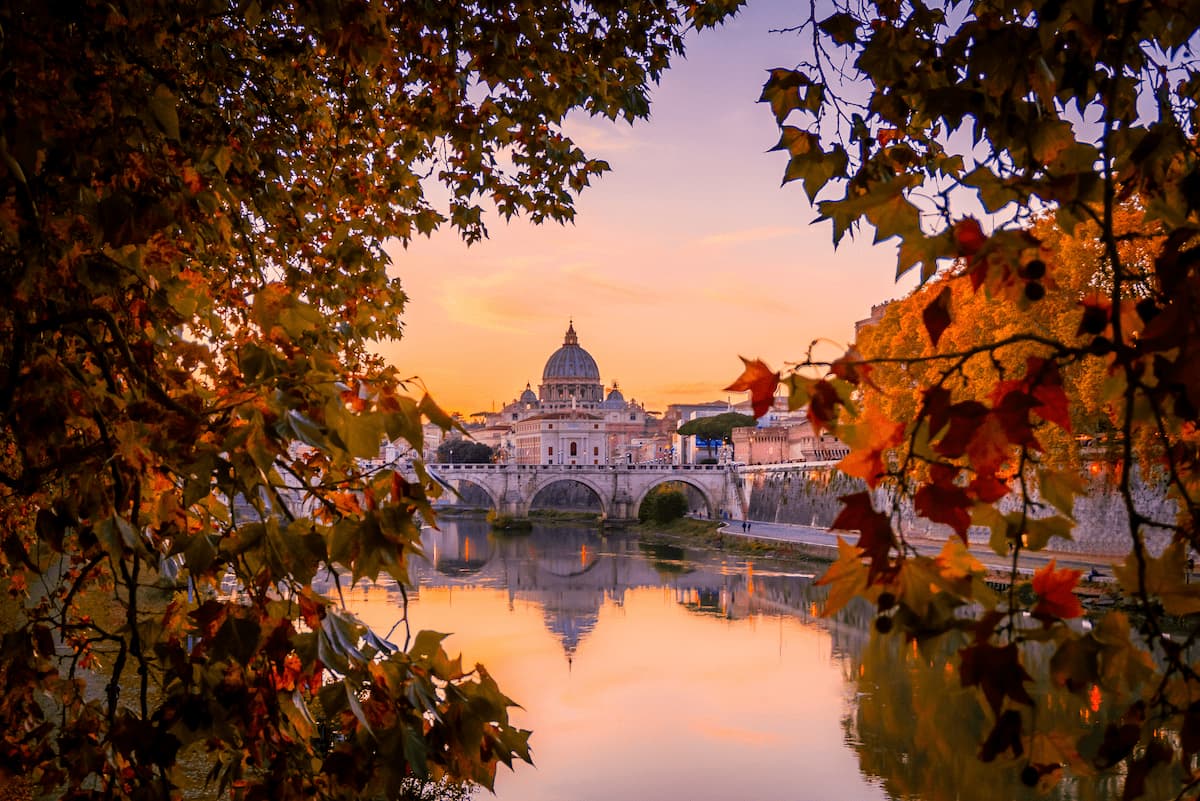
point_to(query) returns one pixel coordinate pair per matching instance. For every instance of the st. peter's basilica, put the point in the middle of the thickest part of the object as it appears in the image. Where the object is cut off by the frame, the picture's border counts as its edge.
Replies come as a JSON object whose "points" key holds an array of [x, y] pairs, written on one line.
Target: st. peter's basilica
{"points": [[570, 420]]}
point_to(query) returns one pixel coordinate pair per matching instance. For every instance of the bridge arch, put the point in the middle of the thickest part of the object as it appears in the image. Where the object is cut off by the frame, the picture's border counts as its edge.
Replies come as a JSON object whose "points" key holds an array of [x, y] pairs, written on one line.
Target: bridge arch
{"points": [[457, 483], [709, 500], [568, 481], [601, 493]]}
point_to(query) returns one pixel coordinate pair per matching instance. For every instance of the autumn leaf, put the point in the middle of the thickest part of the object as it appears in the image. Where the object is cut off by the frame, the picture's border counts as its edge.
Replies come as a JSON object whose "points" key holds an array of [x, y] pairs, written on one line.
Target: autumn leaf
{"points": [[760, 381], [937, 315], [1165, 579], [875, 531], [1047, 387], [869, 440], [1056, 593], [997, 671], [1005, 737], [822, 406], [969, 236], [846, 577]]}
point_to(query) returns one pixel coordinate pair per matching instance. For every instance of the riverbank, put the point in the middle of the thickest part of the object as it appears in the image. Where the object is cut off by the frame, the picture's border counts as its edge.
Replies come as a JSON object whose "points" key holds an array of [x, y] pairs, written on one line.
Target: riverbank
{"points": [[819, 543]]}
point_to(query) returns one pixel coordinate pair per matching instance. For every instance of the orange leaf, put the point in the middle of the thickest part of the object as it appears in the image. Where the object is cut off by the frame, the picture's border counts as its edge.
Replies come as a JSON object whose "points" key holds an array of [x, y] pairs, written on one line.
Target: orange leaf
{"points": [[760, 381], [1056, 593], [869, 441]]}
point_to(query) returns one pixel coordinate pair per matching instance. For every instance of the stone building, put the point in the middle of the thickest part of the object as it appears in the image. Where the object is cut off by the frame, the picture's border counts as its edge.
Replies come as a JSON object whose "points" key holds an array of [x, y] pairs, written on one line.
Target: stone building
{"points": [[785, 443]]}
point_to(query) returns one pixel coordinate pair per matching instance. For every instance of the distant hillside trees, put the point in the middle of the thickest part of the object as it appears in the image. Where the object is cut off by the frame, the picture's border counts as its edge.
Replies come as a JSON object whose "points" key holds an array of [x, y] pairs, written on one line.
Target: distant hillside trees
{"points": [[463, 451], [718, 427]]}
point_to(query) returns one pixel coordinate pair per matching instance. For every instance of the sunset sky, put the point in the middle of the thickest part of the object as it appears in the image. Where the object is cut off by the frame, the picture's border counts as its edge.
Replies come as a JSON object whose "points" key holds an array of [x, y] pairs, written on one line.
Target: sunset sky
{"points": [[685, 256]]}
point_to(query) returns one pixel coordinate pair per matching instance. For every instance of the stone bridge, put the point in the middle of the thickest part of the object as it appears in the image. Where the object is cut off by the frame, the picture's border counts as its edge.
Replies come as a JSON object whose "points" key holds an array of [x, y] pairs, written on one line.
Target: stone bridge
{"points": [[621, 488]]}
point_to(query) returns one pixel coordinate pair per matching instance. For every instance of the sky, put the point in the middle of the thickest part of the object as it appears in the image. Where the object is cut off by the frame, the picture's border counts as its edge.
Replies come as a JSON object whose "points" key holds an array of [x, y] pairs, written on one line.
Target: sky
{"points": [[687, 255]]}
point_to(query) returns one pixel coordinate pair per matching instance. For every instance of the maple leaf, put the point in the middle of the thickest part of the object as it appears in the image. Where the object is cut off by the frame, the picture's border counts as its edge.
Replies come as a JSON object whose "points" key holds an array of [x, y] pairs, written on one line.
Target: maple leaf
{"points": [[851, 369], [988, 448], [997, 670], [1047, 389], [936, 402], [968, 236], [875, 531], [1005, 736], [945, 503], [822, 407], [1164, 577], [1056, 593], [869, 440], [936, 315], [964, 419], [846, 578], [988, 489], [760, 381], [1012, 413]]}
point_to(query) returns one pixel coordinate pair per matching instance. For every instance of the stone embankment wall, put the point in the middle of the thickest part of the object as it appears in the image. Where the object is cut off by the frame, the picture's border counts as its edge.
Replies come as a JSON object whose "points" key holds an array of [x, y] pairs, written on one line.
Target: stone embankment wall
{"points": [[808, 495]]}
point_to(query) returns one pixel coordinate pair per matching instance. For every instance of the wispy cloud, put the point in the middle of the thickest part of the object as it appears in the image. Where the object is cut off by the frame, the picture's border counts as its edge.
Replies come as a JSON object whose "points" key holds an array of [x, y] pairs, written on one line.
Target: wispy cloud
{"points": [[600, 138], [585, 278], [746, 235], [697, 389], [504, 300], [514, 294]]}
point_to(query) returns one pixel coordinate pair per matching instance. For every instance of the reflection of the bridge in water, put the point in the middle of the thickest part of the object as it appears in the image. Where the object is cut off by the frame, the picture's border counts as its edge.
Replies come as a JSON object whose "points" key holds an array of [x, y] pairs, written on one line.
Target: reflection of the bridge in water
{"points": [[572, 572]]}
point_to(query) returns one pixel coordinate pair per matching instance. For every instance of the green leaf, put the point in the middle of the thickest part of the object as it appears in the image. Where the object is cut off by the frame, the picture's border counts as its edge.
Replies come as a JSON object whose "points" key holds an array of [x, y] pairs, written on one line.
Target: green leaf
{"points": [[307, 430], [435, 414], [994, 192], [841, 27], [895, 217], [1038, 531], [782, 91]]}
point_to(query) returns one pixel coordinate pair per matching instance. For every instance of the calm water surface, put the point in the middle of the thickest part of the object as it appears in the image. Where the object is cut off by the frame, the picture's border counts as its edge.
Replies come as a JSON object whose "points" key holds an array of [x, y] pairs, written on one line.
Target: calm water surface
{"points": [[645, 672]]}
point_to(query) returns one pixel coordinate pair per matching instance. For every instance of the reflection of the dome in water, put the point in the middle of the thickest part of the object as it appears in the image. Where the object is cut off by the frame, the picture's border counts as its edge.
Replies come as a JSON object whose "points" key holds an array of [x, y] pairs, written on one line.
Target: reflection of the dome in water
{"points": [[571, 572]]}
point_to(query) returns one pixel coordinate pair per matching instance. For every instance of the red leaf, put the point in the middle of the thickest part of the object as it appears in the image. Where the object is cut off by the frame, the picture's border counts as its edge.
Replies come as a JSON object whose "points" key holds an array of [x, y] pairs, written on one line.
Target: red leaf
{"points": [[969, 236], [822, 406], [1056, 593], [937, 315], [965, 418], [1048, 390], [1012, 413], [988, 449], [988, 489], [851, 369], [997, 670], [875, 530], [886, 136], [760, 381], [945, 504], [937, 409]]}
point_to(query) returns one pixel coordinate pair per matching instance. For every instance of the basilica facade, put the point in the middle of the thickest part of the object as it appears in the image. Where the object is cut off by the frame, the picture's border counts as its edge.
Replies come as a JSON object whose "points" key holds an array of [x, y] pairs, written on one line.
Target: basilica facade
{"points": [[571, 419]]}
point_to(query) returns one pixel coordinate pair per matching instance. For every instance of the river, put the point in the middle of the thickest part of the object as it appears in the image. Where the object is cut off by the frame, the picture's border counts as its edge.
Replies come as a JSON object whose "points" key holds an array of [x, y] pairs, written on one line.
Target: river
{"points": [[649, 671]]}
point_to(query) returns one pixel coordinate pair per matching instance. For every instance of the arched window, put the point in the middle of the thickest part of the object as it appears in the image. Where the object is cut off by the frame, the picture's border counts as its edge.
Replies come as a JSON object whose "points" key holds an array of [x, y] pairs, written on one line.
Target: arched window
{"points": [[574, 449]]}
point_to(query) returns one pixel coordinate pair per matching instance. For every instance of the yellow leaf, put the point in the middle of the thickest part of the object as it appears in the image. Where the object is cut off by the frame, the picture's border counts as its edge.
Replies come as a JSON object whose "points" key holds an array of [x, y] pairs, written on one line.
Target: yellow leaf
{"points": [[846, 578], [1164, 579]]}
